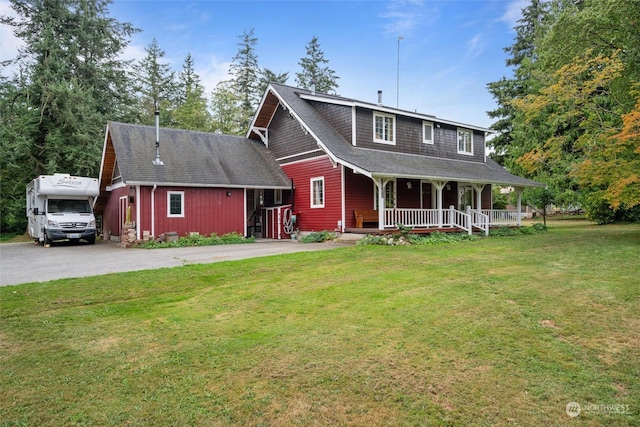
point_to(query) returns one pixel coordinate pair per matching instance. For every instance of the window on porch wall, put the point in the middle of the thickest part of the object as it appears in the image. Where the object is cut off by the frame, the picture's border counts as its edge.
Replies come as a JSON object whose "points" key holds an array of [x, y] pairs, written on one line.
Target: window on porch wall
{"points": [[389, 195], [466, 197]]}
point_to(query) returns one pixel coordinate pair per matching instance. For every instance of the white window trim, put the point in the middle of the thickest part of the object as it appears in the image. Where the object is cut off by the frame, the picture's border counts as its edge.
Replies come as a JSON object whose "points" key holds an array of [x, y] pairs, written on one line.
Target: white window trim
{"points": [[277, 196], [393, 136], [169, 214], [312, 181], [466, 153], [424, 137]]}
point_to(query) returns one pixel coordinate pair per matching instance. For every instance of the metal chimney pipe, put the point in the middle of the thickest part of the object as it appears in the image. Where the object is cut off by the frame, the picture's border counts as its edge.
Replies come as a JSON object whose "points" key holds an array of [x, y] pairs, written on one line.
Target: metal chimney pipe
{"points": [[157, 161], [379, 97]]}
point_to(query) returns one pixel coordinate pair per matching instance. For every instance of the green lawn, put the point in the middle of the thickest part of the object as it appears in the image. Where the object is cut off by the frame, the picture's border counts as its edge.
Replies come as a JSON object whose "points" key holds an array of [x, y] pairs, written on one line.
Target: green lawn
{"points": [[500, 331]]}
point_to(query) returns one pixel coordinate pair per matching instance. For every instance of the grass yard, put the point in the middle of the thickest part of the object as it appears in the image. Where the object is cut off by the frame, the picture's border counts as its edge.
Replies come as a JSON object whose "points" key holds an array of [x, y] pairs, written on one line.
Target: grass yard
{"points": [[501, 331]]}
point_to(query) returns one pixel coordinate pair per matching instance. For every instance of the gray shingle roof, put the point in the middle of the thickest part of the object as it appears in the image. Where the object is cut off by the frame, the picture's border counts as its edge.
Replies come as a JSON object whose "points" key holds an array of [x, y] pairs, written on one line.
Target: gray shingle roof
{"points": [[385, 163], [193, 158]]}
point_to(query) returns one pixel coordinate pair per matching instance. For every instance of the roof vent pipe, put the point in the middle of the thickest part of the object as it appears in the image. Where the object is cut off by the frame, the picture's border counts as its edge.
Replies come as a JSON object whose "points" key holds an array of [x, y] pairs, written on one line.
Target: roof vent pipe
{"points": [[313, 87], [157, 161], [379, 97]]}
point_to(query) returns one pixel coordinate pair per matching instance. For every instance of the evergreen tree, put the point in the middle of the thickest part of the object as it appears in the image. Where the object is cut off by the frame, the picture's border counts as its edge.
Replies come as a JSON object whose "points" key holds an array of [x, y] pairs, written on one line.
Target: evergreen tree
{"points": [[155, 82], [267, 76], [71, 82], [244, 72], [191, 112], [227, 116], [315, 71], [522, 56]]}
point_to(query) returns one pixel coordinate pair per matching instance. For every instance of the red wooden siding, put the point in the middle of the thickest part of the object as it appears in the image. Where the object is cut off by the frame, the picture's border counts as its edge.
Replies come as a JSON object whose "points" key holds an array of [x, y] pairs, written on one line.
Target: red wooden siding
{"points": [[316, 219], [110, 219], [408, 197], [206, 211], [359, 195]]}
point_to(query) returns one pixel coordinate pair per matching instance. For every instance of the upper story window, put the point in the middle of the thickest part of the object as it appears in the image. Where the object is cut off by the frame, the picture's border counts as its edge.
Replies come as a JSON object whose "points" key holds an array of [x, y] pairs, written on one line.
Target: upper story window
{"points": [[175, 204], [427, 132], [317, 192], [384, 129], [465, 141]]}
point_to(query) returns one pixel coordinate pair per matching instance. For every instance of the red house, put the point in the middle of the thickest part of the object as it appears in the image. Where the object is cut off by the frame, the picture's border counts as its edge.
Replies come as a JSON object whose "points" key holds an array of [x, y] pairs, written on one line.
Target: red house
{"points": [[357, 165], [311, 162], [207, 183]]}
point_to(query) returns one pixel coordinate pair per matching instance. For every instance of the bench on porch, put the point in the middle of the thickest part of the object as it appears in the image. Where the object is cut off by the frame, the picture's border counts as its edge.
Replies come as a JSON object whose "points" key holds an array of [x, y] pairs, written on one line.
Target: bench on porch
{"points": [[365, 215]]}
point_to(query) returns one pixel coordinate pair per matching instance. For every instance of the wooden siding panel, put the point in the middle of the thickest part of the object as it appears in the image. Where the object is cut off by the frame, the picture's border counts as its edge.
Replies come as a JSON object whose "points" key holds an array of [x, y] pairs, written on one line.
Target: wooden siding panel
{"points": [[286, 137], [316, 219], [207, 210], [339, 116], [485, 198], [409, 138], [359, 195], [110, 221]]}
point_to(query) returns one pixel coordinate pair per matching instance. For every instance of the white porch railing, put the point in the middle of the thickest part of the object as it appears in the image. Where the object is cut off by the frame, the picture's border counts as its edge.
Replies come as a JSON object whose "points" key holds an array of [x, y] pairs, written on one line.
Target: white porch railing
{"points": [[429, 218], [459, 219], [479, 220], [502, 217], [411, 217]]}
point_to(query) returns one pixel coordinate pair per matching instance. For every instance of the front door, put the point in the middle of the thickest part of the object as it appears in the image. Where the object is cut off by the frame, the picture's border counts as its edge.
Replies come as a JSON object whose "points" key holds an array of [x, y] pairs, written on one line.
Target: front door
{"points": [[465, 193]]}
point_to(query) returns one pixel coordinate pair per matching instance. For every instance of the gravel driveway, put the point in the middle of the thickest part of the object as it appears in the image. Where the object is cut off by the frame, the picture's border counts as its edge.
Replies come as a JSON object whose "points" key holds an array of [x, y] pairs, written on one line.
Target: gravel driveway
{"points": [[28, 262]]}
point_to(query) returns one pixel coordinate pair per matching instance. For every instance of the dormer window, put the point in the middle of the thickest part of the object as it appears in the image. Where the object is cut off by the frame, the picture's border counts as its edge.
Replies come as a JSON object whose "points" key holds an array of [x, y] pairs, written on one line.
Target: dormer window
{"points": [[465, 142], [384, 129], [427, 132]]}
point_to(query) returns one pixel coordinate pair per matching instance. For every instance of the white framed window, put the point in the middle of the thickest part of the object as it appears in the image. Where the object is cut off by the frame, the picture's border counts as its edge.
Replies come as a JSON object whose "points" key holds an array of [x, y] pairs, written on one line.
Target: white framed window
{"points": [[317, 192], [384, 128], [465, 141], [389, 195], [175, 204], [427, 132]]}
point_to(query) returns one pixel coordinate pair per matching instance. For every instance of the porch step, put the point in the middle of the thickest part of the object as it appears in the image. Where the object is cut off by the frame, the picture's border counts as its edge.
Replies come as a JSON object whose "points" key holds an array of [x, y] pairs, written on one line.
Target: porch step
{"points": [[350, 238]]}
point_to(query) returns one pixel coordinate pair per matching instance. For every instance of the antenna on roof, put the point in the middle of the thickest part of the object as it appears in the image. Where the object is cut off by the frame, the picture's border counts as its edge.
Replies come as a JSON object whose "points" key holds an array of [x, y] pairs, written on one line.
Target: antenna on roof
{"points": [[157, 161]]}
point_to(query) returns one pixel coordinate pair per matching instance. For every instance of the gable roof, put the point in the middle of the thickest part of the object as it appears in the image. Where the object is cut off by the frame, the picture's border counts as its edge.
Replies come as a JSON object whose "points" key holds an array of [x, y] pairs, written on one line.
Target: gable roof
{"points": [[381, 163], [191, 159]]}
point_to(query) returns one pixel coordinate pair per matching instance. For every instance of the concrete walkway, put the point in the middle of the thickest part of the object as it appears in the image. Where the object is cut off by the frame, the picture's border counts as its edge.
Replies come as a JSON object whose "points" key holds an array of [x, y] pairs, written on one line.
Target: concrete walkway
{"points": [[28, 262]]}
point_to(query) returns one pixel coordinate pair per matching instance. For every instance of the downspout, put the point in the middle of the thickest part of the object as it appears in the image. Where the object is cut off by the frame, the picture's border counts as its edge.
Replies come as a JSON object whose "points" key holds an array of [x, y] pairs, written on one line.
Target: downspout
{"points": [[153, 211], [138, 235]]}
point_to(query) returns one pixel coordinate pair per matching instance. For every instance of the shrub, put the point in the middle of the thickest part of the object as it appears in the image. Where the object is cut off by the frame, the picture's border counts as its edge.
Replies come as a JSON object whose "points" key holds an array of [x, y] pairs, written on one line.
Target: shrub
{"points": [[198, 240], [318, 237]]}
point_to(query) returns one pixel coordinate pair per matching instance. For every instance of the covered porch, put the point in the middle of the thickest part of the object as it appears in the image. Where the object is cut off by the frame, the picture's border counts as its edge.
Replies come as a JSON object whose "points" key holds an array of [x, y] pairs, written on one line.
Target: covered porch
{"points": [[428, 205]]}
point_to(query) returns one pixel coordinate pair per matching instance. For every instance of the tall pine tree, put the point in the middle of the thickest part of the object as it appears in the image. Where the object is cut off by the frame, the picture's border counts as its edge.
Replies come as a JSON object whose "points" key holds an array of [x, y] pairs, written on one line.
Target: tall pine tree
{"points": [[155, 82], [72, 82], [315, 71], [245, 73]]}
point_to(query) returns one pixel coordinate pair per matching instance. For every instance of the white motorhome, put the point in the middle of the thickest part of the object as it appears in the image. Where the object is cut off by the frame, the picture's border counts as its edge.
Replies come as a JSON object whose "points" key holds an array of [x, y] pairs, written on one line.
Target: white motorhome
{"points": [[60, 207]]}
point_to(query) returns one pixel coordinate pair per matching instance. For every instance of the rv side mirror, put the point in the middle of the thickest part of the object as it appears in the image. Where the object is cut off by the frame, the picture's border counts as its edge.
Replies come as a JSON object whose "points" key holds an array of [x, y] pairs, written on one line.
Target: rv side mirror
{"points": [[35, 211]]}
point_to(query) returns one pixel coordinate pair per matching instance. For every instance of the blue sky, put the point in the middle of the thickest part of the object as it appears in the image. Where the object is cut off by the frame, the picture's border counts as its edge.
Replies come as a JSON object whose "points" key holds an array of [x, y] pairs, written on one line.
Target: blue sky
{"points": [[449, 52]]}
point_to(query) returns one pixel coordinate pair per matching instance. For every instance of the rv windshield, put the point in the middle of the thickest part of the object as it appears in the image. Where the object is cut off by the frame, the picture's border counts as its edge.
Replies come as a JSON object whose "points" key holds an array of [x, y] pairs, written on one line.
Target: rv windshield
{"points": [[68, 206]]}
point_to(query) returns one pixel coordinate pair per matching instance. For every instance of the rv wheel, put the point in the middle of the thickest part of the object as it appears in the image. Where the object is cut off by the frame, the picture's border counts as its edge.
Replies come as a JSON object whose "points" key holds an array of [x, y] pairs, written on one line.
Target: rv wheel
{"points": [[91, 240]]}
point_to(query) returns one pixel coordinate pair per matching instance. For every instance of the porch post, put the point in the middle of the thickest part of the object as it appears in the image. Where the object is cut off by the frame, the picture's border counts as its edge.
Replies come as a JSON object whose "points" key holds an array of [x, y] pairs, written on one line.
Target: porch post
{"points": [[519, 213], [479, 188], [439, 185], [381, 183]]}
